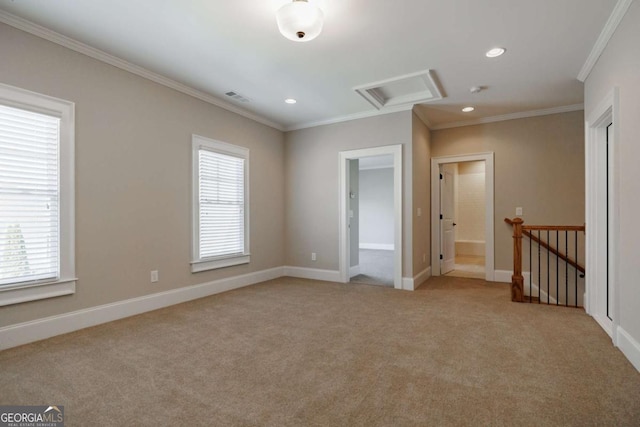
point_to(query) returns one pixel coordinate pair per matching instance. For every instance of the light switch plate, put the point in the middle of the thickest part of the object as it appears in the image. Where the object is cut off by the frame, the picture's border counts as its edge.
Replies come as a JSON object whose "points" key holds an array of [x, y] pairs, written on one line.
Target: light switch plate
{"points": [[518, 211]]}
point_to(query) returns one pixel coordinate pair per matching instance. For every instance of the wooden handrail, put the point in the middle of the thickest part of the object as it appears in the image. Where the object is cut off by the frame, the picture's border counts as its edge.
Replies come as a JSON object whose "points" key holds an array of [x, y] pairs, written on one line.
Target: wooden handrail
{"points": [[545, 245], [553, 227]]}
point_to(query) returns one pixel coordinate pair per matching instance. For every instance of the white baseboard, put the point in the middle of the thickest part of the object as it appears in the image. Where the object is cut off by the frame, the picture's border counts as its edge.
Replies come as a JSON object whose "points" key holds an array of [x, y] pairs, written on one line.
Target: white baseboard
{"points": [[411, 284], [24, 333], [629, 347], [502, 276], [354, 271], [312, 273], [377, 246]]}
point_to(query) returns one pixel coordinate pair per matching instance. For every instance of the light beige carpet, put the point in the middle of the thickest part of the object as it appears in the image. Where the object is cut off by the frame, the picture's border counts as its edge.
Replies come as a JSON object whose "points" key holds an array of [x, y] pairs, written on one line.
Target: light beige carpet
{"points": [[295, 352]]}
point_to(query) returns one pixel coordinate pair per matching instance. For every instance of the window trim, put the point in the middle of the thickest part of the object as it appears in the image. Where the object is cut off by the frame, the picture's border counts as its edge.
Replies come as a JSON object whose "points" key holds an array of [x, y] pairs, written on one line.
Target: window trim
{"points": [[65, 284], [203, 264]]}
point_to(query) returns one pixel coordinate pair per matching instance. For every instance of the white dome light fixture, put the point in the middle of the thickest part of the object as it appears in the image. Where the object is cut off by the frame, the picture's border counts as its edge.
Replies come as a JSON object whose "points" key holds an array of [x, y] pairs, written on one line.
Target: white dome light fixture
{"points": [[468, 109], [495, 52], [300, 20]]}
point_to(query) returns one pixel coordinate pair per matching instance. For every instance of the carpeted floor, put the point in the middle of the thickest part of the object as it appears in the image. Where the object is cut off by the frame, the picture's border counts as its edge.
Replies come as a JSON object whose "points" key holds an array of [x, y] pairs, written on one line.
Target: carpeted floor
{"points": [[295, 352], [376, 267]]}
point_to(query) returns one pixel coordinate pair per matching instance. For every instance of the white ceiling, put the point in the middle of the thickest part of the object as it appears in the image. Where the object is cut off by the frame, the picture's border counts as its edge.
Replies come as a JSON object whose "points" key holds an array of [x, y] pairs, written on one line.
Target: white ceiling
{"points": [[216, 46]]}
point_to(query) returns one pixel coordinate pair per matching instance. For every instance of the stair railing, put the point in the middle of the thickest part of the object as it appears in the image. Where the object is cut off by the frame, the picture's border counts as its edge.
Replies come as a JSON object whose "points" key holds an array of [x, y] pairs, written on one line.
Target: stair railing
{"points": [[547, 287]]}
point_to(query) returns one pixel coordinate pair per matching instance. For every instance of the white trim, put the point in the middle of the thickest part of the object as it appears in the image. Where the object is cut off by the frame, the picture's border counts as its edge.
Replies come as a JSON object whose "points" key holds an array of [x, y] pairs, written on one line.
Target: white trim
{"points": [[343, 220], [69, 43], [24, 333], [371, 91], [607, 111], [354, 271], [629, 347], [312, 273], [377, 246], [422, 116], [14, 295], [411, 284], [348, 118], [489, 209], [502, 276], [212, 264], [512, 116], [368, 168], [606, 324], [536, 291], [65, 110], [607, 32]]}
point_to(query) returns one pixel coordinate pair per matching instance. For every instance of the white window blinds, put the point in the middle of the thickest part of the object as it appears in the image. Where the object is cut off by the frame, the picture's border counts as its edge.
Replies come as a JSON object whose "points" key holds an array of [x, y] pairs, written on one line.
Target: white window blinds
{"points": [[29, 196], [221, 204]]}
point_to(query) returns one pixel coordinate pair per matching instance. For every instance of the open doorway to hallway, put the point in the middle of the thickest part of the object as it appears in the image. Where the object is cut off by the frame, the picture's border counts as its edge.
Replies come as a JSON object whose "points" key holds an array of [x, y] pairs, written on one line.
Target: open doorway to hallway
{"points": [[371, 220], [349, 253]]}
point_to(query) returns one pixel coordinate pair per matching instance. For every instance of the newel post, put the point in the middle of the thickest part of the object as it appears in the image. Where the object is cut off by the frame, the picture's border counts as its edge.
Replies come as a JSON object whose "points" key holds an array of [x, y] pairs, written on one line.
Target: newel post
{"points": [[517, 280]]}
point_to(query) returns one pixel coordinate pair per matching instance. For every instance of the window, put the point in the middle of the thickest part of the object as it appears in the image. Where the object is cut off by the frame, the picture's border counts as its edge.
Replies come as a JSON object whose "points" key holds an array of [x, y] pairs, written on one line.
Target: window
{"points": [[36, 196], [220, 204]]}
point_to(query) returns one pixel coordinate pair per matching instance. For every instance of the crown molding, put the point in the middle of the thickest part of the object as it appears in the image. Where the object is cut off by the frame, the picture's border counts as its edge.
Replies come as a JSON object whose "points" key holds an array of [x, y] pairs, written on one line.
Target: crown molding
{"points": [[512, 116], [423, 118], [68, 42], [609, 29], [349, 117]]}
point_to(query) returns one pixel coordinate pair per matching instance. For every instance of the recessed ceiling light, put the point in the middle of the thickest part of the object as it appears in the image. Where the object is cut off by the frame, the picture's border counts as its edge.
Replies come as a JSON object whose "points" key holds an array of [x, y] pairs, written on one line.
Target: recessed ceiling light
{"points": [[495, 52], [290, 101], [468, 109]]}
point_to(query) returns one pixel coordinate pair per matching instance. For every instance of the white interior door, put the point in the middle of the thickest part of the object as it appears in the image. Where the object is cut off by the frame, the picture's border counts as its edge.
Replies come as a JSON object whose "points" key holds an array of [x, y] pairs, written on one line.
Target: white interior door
{"points": [[447, 224]]}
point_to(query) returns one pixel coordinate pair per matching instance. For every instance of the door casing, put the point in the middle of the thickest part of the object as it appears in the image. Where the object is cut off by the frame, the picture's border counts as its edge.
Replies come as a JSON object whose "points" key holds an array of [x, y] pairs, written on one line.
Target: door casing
{"points": [[343, 250], [489, 209]]}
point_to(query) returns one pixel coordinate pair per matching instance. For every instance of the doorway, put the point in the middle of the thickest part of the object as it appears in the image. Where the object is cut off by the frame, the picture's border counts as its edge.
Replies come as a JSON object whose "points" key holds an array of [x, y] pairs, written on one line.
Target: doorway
{"points": [[470, 251], [602, 215], [351, 264], [462, 198], [371, 220]]}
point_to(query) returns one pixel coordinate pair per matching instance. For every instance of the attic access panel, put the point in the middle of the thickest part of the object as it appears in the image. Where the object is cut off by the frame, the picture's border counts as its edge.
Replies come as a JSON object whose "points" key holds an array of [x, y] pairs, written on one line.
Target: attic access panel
{"points": [[415, 88]]}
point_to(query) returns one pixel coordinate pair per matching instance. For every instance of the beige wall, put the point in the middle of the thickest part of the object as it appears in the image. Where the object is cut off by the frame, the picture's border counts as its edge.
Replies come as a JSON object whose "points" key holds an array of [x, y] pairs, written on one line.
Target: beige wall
{"points": [[619, 66], [539, 166], [421, 196], [133, 200], [311, 163]]}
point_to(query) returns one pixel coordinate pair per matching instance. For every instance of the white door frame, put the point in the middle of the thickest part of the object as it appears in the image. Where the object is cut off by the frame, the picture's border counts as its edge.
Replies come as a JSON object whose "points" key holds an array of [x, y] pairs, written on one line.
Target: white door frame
{"points": [[595, 176], [435, 209], [343, 250]]}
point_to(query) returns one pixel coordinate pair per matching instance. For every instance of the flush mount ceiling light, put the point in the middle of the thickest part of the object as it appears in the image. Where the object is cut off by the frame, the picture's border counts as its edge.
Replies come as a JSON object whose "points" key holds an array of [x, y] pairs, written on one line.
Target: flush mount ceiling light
{"points": [[495, 52], [468, 109], [290, 101], [300, 20]]}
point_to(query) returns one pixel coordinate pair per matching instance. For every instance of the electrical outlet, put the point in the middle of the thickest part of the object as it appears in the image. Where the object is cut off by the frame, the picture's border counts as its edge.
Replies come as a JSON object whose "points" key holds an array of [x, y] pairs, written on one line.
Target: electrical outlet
{"points": [[154, 276], [419, 211], [314, 257]]}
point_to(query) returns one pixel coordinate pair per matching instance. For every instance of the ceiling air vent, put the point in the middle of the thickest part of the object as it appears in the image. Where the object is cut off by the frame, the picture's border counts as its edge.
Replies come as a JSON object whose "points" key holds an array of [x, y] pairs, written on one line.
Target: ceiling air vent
{"points": [[415, 88], [237, 97]]}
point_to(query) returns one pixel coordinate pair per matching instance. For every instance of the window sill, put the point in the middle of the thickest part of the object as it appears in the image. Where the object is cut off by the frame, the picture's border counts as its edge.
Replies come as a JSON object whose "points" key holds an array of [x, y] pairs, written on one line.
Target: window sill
{"points": [[17, 294], [212, 264]]}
